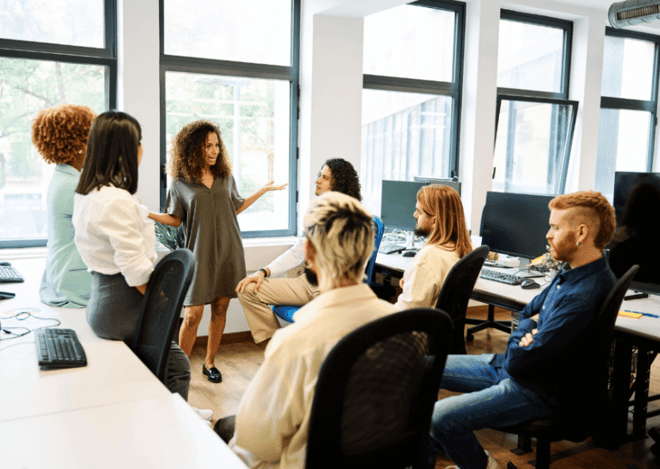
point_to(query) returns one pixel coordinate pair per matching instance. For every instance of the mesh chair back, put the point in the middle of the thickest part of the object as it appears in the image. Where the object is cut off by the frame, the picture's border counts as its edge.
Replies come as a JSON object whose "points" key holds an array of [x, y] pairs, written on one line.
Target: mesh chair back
{"points": [[379, 228], [161, 308], [456, 291], [604, 330], [375, 393]]}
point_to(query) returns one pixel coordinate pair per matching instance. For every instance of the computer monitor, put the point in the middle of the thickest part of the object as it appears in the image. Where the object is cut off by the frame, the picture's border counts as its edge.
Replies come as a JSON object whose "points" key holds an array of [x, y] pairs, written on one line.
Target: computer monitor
{"points": [[637, 206], [456, 185], [516, 224], [398, 200]]}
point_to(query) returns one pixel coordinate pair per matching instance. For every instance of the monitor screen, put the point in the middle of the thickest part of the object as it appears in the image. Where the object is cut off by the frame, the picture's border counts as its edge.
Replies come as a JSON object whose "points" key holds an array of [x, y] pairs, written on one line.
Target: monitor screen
{"points": [[637, 206], [516, 224], [398, 202]]}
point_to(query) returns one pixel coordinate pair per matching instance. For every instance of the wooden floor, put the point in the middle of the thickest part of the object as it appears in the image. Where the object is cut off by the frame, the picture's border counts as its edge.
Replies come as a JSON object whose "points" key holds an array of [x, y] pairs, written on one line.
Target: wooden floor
{"points": [[239, 361]]}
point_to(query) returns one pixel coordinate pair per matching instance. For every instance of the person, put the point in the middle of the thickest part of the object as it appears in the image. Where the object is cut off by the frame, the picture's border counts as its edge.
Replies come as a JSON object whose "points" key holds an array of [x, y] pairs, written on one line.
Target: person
{"points": [[440, 219], [544, 367], [258, 291], [204, 197], [115, 238], [272, 421], [60, 135]]}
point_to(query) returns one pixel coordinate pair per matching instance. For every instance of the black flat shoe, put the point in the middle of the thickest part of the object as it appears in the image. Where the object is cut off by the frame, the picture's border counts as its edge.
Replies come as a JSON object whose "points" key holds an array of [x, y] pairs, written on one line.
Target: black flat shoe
{"points": [[213, 374]]}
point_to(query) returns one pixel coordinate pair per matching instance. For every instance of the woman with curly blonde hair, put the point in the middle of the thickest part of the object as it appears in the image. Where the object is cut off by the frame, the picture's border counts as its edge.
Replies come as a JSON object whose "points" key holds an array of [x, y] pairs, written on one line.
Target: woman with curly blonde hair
{"points": [[204, 197], [60, 135]]}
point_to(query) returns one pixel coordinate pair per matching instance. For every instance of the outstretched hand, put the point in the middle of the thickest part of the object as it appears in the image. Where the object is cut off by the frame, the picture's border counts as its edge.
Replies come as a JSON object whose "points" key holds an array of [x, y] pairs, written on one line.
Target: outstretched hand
{"points": [[272, 187]]}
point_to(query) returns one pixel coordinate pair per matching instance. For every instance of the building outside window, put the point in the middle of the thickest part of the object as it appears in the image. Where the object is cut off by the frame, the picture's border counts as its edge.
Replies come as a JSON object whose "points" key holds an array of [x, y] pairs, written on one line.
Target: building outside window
{"points": [[236, 64], [51, 52], [535, 119], [413, 65], [629, 102]]}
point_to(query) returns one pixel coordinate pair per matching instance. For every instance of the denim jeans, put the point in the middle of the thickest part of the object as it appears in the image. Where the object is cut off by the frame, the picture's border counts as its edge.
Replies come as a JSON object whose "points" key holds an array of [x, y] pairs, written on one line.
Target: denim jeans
{"points": [[488, 402]]}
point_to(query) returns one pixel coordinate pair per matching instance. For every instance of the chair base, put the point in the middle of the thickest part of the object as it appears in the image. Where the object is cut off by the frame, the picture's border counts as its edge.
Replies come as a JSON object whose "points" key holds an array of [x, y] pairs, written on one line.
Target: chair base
{"points": [[490, 323]]}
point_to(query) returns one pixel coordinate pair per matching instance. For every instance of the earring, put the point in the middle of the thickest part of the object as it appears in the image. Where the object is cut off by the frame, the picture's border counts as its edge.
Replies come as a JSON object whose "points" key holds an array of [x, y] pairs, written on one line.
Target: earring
{"points": [[578, 244]]}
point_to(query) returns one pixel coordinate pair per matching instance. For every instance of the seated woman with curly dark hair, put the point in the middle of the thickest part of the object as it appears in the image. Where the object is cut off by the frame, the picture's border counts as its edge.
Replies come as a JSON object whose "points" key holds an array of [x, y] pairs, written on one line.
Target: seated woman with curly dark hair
{"points": [[60, 135], [204, 197]]}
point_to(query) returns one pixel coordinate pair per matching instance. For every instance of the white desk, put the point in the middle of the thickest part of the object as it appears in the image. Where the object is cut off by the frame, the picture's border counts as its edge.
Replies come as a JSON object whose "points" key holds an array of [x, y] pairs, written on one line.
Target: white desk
{"points": [[158, 433], [111, 413]]}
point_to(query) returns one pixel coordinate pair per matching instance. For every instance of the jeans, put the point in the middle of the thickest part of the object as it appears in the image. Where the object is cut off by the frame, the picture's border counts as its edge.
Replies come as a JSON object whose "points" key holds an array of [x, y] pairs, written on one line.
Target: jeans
{"points": [[489, 401]]}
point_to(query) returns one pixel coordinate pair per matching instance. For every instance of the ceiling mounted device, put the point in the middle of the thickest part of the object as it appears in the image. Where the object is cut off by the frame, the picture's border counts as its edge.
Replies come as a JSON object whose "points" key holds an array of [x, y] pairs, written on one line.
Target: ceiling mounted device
{"points": [[632, 12]]}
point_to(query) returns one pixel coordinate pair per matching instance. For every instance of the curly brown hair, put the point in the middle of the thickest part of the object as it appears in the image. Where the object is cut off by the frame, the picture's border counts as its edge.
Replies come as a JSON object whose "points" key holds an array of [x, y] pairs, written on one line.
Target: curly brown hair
{"points": [[344, 177], [187, 153], [61, 132]]}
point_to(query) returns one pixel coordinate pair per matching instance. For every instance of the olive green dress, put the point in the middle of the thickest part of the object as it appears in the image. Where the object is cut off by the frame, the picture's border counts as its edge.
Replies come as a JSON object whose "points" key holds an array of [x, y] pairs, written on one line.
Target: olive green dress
{"points": [[212, 233]]}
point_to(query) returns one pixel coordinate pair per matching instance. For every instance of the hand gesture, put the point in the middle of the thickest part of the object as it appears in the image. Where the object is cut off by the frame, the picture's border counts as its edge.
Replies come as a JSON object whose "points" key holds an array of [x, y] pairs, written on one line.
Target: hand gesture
{"points": [[272, 187], [257, 277]]}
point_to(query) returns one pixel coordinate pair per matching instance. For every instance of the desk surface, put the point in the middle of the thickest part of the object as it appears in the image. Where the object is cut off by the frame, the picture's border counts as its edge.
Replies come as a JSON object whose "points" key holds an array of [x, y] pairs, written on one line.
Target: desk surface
{"points": [[113, 373], [161, 432], [515, 298], [111, 413]]}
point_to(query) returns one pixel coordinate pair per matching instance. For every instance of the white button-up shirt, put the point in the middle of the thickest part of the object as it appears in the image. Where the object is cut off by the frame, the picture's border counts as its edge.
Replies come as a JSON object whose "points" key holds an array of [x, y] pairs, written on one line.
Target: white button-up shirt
{"points": [[113, 234]]}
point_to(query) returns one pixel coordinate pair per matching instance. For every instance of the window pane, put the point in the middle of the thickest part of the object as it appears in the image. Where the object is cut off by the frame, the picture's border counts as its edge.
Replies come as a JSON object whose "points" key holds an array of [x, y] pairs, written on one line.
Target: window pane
{"points": [[257, 31], [403, 135], [26, 86], [530, 56], [623, 145], [69, 22], [253, 116], [531, 147], [628, 68], [396, 43]]}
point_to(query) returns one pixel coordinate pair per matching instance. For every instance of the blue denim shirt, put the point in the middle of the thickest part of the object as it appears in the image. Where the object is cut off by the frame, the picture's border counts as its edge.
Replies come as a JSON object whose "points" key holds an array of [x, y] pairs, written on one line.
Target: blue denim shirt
{"points": [[553, 364]]}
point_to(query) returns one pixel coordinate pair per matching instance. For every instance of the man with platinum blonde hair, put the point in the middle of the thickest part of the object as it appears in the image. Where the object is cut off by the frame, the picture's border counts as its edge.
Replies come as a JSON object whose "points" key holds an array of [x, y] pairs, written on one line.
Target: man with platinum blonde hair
{"points": [[272, 422]]}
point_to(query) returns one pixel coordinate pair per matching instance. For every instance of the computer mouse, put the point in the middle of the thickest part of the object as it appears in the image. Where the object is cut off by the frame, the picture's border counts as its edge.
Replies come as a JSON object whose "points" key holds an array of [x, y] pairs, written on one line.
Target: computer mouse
{"points": [[529, 284], [409, 254], [6, 264]]}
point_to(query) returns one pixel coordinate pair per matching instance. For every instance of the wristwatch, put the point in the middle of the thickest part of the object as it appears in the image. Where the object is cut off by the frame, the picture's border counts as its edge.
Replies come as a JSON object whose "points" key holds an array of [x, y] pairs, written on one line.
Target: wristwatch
{"points": [[264, 271]]}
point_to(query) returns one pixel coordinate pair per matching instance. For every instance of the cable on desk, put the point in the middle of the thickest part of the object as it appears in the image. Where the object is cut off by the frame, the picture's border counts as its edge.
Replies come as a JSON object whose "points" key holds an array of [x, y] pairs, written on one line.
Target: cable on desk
{"points": [[22, 316]]}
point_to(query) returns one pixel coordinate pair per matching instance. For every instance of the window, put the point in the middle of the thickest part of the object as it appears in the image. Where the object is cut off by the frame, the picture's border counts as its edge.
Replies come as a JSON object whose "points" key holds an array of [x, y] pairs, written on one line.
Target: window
{"points": [[50, 53], [629, 100], [237, 65], [413, 65], [535, 120]]}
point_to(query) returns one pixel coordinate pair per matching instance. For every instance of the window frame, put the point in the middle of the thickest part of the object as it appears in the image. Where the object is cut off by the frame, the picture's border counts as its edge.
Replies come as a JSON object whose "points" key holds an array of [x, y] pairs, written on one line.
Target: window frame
{"points": [[453, 89], [46, 51], [543, 97], [174, 63], [651, 106]]}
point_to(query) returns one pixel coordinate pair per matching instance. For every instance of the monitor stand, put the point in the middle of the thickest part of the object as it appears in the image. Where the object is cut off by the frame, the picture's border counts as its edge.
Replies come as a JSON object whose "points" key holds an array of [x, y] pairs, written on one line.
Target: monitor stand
{"points": [[410, 250]]}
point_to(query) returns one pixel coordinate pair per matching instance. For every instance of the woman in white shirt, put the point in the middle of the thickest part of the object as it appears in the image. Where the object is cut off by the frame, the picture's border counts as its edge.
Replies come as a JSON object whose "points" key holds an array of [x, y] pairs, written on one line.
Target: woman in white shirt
{"points": [[115, 238]]}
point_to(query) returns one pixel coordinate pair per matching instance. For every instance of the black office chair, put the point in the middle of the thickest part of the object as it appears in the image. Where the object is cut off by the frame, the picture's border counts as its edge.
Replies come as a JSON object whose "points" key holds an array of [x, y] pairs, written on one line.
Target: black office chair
{"points": [[161, 308], [590, 415], [456, 291], [375, 393]]}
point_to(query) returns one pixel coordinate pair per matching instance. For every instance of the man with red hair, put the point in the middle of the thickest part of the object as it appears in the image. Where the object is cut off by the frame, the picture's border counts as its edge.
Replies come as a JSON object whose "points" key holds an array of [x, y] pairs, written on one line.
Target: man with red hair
{"points": [[544, 367]]}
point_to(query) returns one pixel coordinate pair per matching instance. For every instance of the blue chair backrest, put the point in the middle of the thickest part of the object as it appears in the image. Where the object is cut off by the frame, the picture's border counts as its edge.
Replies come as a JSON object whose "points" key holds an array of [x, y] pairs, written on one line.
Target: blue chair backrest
{"points": [[379, 228]]}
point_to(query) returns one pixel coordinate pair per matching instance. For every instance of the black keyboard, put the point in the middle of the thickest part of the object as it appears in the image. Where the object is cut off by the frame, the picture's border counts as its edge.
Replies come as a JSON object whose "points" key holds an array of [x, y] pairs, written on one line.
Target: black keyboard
{"points": [[59, 348], [9, 275], [498, 276]]}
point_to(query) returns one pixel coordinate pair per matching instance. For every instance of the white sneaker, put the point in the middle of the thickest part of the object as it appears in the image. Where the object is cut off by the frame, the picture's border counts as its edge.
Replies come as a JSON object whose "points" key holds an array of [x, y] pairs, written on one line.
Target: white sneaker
{"points": [[205, 414], [493, 463]]}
